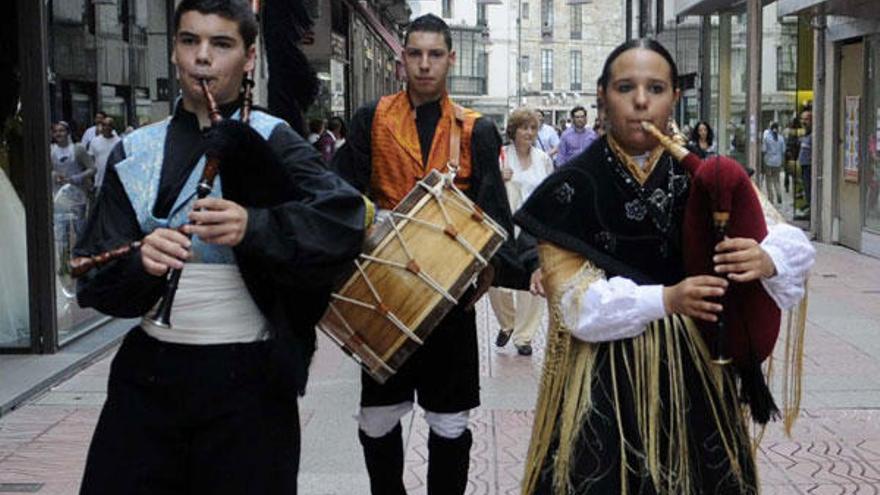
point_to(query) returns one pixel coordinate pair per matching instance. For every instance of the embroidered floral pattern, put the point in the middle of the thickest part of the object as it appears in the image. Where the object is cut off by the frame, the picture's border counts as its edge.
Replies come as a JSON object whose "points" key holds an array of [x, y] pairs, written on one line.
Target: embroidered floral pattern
{"points": [[635, 210], [564, 193]]}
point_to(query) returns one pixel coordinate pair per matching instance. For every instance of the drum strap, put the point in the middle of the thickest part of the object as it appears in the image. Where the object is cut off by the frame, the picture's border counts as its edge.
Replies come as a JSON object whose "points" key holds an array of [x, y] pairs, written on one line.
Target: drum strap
{"points": [[455, 135]]}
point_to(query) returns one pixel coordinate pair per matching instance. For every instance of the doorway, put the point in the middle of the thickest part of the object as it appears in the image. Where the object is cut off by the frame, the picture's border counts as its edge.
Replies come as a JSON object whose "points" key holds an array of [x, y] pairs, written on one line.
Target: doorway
{"points": [[849, 144]]}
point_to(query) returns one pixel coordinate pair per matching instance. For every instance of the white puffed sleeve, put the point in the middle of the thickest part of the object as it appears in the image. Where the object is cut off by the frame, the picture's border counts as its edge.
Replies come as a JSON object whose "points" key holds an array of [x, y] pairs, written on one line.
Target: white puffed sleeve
{"points": [[793, 255], [612, 309]]}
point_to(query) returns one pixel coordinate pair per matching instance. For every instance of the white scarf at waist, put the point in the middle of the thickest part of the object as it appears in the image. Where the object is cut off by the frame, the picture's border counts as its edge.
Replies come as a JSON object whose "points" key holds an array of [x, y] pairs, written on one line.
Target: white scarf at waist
{"points": [[212, 306]]}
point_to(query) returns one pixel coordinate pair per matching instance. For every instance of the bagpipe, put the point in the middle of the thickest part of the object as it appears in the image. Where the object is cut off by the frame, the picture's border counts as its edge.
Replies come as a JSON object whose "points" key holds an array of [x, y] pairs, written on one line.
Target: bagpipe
{"points": [[723, 203]]}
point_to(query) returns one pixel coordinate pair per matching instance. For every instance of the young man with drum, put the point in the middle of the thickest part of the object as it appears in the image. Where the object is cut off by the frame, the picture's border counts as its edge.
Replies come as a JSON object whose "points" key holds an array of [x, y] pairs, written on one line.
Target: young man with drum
{"points": [[209, 403], [391, 145]]}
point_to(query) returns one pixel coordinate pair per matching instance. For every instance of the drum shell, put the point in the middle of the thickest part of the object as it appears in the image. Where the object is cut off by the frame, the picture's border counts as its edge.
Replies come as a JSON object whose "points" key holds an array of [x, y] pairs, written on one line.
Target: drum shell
{"points": [[373, 336]]}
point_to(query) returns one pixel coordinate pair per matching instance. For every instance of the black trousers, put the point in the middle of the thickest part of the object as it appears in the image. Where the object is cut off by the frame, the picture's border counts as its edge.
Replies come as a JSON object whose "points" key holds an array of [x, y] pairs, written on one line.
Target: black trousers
{"points": [[443, 375], [182, 419]]}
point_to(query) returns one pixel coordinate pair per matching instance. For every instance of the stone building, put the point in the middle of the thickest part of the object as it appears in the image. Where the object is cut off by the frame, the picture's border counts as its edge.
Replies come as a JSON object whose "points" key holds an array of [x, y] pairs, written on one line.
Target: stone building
{"points": [[355, 48]]}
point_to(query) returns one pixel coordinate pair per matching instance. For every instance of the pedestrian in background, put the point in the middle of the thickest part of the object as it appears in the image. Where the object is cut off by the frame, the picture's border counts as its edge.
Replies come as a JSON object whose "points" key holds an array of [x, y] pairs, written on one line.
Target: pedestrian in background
{"points": [[94, 130], [805, 159], [100, 148], [331, 139], [71, 163], [316, 129], [523, 167], [702, 140], [774, 155], [576, 138], [792, 135], [547, 139]]}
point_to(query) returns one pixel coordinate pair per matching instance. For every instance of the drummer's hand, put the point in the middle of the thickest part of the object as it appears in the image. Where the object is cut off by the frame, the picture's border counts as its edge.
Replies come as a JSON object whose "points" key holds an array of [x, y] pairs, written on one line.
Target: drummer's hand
{"points": [[743, 260], [164, 249], [536, 286], [506, 173], [689, 297], [484, 281], [218, 221]]}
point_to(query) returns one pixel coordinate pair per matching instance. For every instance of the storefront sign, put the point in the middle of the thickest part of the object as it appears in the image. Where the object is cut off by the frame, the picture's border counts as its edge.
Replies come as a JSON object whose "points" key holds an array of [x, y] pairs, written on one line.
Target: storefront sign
{"points": [[851, 140]]}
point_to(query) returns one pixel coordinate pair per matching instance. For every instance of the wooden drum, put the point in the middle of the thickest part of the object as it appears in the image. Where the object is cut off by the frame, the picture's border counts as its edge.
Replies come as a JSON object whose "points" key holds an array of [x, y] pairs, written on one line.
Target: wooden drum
{"points": [[415, 266]]}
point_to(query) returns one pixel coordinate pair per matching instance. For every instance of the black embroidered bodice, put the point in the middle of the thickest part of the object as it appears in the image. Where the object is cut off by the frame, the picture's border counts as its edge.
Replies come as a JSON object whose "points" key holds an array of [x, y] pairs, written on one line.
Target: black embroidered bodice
{"points": [[595, 207]]}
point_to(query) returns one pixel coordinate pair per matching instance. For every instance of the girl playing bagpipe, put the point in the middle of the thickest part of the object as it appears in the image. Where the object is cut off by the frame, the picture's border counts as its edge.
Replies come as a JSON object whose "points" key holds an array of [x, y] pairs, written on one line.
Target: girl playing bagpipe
{"points": [[633, 398]]}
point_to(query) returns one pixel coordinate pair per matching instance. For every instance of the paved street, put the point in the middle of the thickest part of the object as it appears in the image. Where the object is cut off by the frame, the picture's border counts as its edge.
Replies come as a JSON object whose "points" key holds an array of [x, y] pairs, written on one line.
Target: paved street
{"points": [[835, 449]]}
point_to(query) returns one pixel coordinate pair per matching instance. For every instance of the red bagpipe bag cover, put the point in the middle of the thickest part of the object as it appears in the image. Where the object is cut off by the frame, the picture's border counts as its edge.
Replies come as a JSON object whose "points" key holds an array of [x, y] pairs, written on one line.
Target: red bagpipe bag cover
{"points": [[751, 316]]}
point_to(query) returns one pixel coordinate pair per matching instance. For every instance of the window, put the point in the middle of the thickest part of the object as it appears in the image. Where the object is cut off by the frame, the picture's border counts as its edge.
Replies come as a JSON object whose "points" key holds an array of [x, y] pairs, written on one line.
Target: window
{"points": [[576, 70], [525, 11], [786, 57], [525, 64], [577, 21], [546, 70], [468, 76], [547, 18], [447, 9], [482, 19]]}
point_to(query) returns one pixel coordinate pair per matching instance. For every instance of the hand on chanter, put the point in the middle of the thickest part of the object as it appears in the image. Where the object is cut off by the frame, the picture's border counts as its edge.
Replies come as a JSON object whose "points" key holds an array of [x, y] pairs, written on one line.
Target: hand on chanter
{"points": [[164, 249], [217, 221], [743, 260], [690, 297]]}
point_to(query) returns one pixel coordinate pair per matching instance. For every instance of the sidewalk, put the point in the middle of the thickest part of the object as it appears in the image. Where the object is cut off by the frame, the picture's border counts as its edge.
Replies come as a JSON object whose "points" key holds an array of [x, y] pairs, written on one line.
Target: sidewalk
{"points": [[836, 445]]}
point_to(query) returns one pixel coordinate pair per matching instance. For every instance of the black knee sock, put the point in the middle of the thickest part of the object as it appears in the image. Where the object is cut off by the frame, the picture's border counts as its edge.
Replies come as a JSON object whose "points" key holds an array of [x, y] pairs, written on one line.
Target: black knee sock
{"points": [[448, 463], [384, 459]]}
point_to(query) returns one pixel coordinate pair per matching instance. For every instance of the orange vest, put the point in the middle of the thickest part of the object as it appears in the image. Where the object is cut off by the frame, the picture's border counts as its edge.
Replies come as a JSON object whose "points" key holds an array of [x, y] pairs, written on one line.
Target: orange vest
{"points": [[396, 152]]}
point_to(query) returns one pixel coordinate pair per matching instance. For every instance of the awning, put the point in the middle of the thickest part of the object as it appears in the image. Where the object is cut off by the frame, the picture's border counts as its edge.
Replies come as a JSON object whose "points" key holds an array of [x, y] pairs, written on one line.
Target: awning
{"points": [[710, 7], [861, 9], [375, 23]]}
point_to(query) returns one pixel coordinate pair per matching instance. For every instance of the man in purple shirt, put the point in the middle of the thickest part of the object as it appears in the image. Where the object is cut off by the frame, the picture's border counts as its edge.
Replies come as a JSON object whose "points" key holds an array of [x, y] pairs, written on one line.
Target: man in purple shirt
{"points": [[576, 138]]}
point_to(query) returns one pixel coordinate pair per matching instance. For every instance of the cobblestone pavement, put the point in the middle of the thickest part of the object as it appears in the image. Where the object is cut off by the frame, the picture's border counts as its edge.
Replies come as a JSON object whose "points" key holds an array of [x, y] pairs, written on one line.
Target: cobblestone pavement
{"points": [[835, 448]]}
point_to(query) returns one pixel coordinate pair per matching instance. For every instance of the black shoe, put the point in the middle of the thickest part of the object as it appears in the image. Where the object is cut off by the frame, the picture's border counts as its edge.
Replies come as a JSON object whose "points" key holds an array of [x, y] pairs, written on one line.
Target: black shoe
{"points": [[503, 337], [524, 350]]}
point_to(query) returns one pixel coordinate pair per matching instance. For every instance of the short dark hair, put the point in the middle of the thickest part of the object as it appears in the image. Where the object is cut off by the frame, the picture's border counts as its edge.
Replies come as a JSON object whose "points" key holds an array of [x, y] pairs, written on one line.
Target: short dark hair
{"points": [[647, 44], [237, 11], [577, 109], [337, 125], [101, 112], [432, 24]]}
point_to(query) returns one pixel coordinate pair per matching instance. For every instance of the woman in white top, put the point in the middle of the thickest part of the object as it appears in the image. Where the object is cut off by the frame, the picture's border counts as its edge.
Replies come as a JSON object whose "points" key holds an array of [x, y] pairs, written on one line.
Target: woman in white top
{"points": [[523, 167]]}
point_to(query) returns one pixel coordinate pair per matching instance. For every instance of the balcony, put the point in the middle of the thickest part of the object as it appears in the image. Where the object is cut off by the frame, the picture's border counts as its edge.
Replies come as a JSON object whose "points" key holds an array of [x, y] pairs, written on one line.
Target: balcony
{"points": [[466, 85]]}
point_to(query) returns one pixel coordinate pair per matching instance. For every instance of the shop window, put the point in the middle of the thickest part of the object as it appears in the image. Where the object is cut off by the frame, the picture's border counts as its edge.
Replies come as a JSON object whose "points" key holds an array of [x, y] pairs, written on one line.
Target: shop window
{"points": [[872, 169], [14, 317]]}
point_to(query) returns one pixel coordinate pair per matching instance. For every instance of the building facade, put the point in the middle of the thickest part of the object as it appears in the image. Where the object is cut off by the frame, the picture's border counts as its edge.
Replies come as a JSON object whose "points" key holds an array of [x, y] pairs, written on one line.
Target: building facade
{"points": [[546, 54], [564, 44], [355, 47], [846, 161]]}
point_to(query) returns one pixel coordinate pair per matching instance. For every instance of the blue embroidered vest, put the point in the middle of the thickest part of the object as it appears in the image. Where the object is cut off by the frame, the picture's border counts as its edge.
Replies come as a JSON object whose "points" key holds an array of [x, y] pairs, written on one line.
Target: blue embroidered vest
{"points": [[141, 171]]}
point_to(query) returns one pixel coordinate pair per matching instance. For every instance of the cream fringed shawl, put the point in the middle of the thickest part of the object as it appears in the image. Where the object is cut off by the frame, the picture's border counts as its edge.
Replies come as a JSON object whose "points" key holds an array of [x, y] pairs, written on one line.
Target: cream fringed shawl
{"points": [[565, 398]]}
